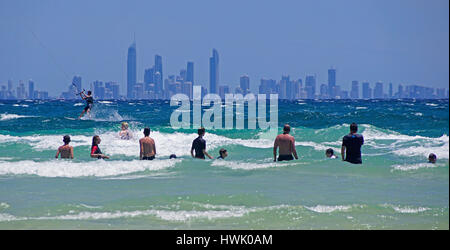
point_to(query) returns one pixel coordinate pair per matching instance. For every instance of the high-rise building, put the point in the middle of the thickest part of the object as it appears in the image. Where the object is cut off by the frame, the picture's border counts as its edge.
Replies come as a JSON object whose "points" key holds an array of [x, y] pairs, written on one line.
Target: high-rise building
{"points": [[378, 91], [391, 94], [244, 84], [283, 87], [366, 91], [354, 93], [76, 80], [223, 89], [99, 89], [31, 89], [310, 87], [131, 70], [214, 72], [323, 91], [158, 68], [190, 72], [148, 78], [331, 83]]}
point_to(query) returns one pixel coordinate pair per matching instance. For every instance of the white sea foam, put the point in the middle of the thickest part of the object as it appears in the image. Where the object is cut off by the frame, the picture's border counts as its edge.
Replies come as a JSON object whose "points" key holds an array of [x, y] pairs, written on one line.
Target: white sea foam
{"points": [[78, 104], [410, 167], [4, 205], [407, 209], [97, 168], [5, 117], [328, 209], [250, 165]]}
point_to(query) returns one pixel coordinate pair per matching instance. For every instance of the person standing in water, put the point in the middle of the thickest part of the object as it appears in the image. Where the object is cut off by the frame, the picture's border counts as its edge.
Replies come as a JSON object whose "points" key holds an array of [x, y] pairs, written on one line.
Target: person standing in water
{"points": [[95, 150], [199, 146], [65, 150], [125, 134], [147, 146], [286, 143], [351, 146], [432, 158], [89, 102]]}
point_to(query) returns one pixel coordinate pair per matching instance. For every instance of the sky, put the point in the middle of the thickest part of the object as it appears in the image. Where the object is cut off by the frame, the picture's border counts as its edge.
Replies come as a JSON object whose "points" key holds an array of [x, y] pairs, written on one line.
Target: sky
{"points": [[398, 41]]}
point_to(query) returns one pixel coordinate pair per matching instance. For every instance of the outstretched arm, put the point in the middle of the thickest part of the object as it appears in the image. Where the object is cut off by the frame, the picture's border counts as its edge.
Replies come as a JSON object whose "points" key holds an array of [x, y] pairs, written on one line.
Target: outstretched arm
{"points": [[57, 154], [206, 153], [343, 152]]}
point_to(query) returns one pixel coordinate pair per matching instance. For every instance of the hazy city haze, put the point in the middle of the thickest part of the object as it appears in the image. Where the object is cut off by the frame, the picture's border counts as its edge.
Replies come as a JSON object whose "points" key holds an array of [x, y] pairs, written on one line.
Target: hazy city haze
{"points": [[401, 41]]}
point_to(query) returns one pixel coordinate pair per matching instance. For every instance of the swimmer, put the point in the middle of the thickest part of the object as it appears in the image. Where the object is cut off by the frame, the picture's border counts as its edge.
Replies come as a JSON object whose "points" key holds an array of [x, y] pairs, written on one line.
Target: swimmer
{"points": [[65, 150], [223, 153], [286, 143], [351, 146], [147, 146], [125, 134], [172, 156], [330, 153], [432, 158], [89, 102], [95, 150], [199, 146]]}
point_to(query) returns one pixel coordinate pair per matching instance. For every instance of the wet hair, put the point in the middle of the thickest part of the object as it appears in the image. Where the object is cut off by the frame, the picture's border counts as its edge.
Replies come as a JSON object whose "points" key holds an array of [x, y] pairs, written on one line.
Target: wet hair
{"points": [[201, 131], [125, 124], [330, 151], [94, 140], [66, 139], [146, 131], [353, 127], [89, 92], [286, 128], [432, 156], [172, 156], [222, 151]]}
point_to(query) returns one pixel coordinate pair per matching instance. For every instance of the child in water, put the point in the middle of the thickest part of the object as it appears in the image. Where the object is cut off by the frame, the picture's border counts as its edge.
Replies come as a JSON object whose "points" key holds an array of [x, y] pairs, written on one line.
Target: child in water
{"points": [[65, 150], [125, 134], [95, 150], [330, 153]]}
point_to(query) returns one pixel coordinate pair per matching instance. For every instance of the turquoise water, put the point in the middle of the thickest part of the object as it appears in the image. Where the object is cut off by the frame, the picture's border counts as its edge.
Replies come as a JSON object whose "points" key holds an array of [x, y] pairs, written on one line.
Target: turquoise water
{"points": [[395, 188]]}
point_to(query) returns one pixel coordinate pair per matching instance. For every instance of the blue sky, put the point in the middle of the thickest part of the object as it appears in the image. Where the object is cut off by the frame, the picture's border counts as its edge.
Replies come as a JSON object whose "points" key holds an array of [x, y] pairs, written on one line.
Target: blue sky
{"points": [[398, 41]]}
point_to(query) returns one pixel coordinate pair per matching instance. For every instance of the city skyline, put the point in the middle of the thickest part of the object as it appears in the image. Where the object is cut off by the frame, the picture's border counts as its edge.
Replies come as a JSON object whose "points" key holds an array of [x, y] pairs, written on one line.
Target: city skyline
{"points": [[398, 41]]}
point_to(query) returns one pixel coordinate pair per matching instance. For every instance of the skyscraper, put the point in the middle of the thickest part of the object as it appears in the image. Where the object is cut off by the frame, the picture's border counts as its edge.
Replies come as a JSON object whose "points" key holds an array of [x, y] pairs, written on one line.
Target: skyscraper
{"points": [[76, 80], [366, 91], [131, 70], [158, 68], [378, 91], [310, 87], [190, 72], [214, 72], [390, 90], [354, 93], [331, 83], [30, 89], [244, 84]]}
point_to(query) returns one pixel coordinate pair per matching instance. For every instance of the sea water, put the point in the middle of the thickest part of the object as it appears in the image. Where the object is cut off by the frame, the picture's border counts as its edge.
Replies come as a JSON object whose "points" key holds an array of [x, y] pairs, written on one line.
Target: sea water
{"points": [[394, 188]]}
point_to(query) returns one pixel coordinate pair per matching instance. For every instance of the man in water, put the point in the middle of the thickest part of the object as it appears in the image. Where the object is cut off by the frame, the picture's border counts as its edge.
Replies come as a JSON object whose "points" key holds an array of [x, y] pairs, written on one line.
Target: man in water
{"points": [[286, 143], [351, 146], [89, 102], [432, 158], [125, 134], [199, 146], [222, 153], [147, 146], [330, 153], [65, 150]]}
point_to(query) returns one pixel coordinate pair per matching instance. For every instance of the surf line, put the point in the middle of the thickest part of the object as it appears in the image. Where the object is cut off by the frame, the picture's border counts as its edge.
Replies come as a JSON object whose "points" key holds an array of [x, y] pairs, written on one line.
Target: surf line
{"points": [[213, 114]]}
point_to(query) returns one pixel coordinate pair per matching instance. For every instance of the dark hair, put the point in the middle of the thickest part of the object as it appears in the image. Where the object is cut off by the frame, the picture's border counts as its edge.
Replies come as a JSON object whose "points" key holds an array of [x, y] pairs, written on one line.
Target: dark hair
{"points": [[353, 127], [89, 92], [146, 131], [330, 151], [172, 156], [66, 139], [286, 128], [432, 156], [94, 140], [201, 131], [222, 151]]}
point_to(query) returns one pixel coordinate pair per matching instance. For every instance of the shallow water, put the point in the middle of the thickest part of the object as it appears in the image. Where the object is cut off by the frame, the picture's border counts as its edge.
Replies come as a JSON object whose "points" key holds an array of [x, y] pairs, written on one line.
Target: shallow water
{"points": [[394, 188]]}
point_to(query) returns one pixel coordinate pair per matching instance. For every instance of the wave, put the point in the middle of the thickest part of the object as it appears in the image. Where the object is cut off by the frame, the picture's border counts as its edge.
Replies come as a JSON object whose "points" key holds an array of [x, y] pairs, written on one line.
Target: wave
{"points": [[5, 117], [411, 167], [250, 165], [95, 168], [329, 209]]}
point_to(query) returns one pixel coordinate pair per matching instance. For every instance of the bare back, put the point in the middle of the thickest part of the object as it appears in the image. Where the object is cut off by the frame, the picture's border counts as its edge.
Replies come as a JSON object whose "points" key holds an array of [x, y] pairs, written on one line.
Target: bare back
{"points": [[286, 143], [148, 148], [66, 151]]}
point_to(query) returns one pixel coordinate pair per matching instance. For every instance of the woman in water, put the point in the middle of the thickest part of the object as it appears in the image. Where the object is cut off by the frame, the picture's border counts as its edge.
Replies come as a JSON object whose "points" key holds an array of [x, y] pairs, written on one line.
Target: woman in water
{"points": [[95, 150], [125, 134]]}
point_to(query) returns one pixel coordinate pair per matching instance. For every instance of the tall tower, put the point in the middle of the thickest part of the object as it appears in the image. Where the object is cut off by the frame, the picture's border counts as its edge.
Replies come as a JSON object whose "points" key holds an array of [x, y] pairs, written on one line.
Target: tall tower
{"points": [[158, 79], [190, 72], [331, 83], [30, 89], [131, 70], [214, 73]]}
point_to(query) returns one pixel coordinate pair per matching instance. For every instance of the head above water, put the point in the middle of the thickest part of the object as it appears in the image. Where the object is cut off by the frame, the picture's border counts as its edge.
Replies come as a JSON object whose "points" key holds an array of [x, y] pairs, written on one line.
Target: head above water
{"points": [[201, 131], [329, 152], [353, 128], [432, 158], [96, 140], [223, 152], [172, 156], [124, 125], [66, 139], [286, 129], [146, 131]]}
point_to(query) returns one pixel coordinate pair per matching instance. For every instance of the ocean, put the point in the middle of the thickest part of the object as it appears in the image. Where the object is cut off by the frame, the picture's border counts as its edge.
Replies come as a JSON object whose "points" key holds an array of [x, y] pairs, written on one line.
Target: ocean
{"points": [[394, 188]]}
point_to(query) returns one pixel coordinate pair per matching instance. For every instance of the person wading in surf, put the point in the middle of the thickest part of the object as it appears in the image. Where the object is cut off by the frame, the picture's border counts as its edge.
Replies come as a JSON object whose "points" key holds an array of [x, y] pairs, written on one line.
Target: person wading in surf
{"points": [[89, 102], [95, 150], [286, 143], [65, 150], [199, 146], [351, 146], [147, 146]]}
